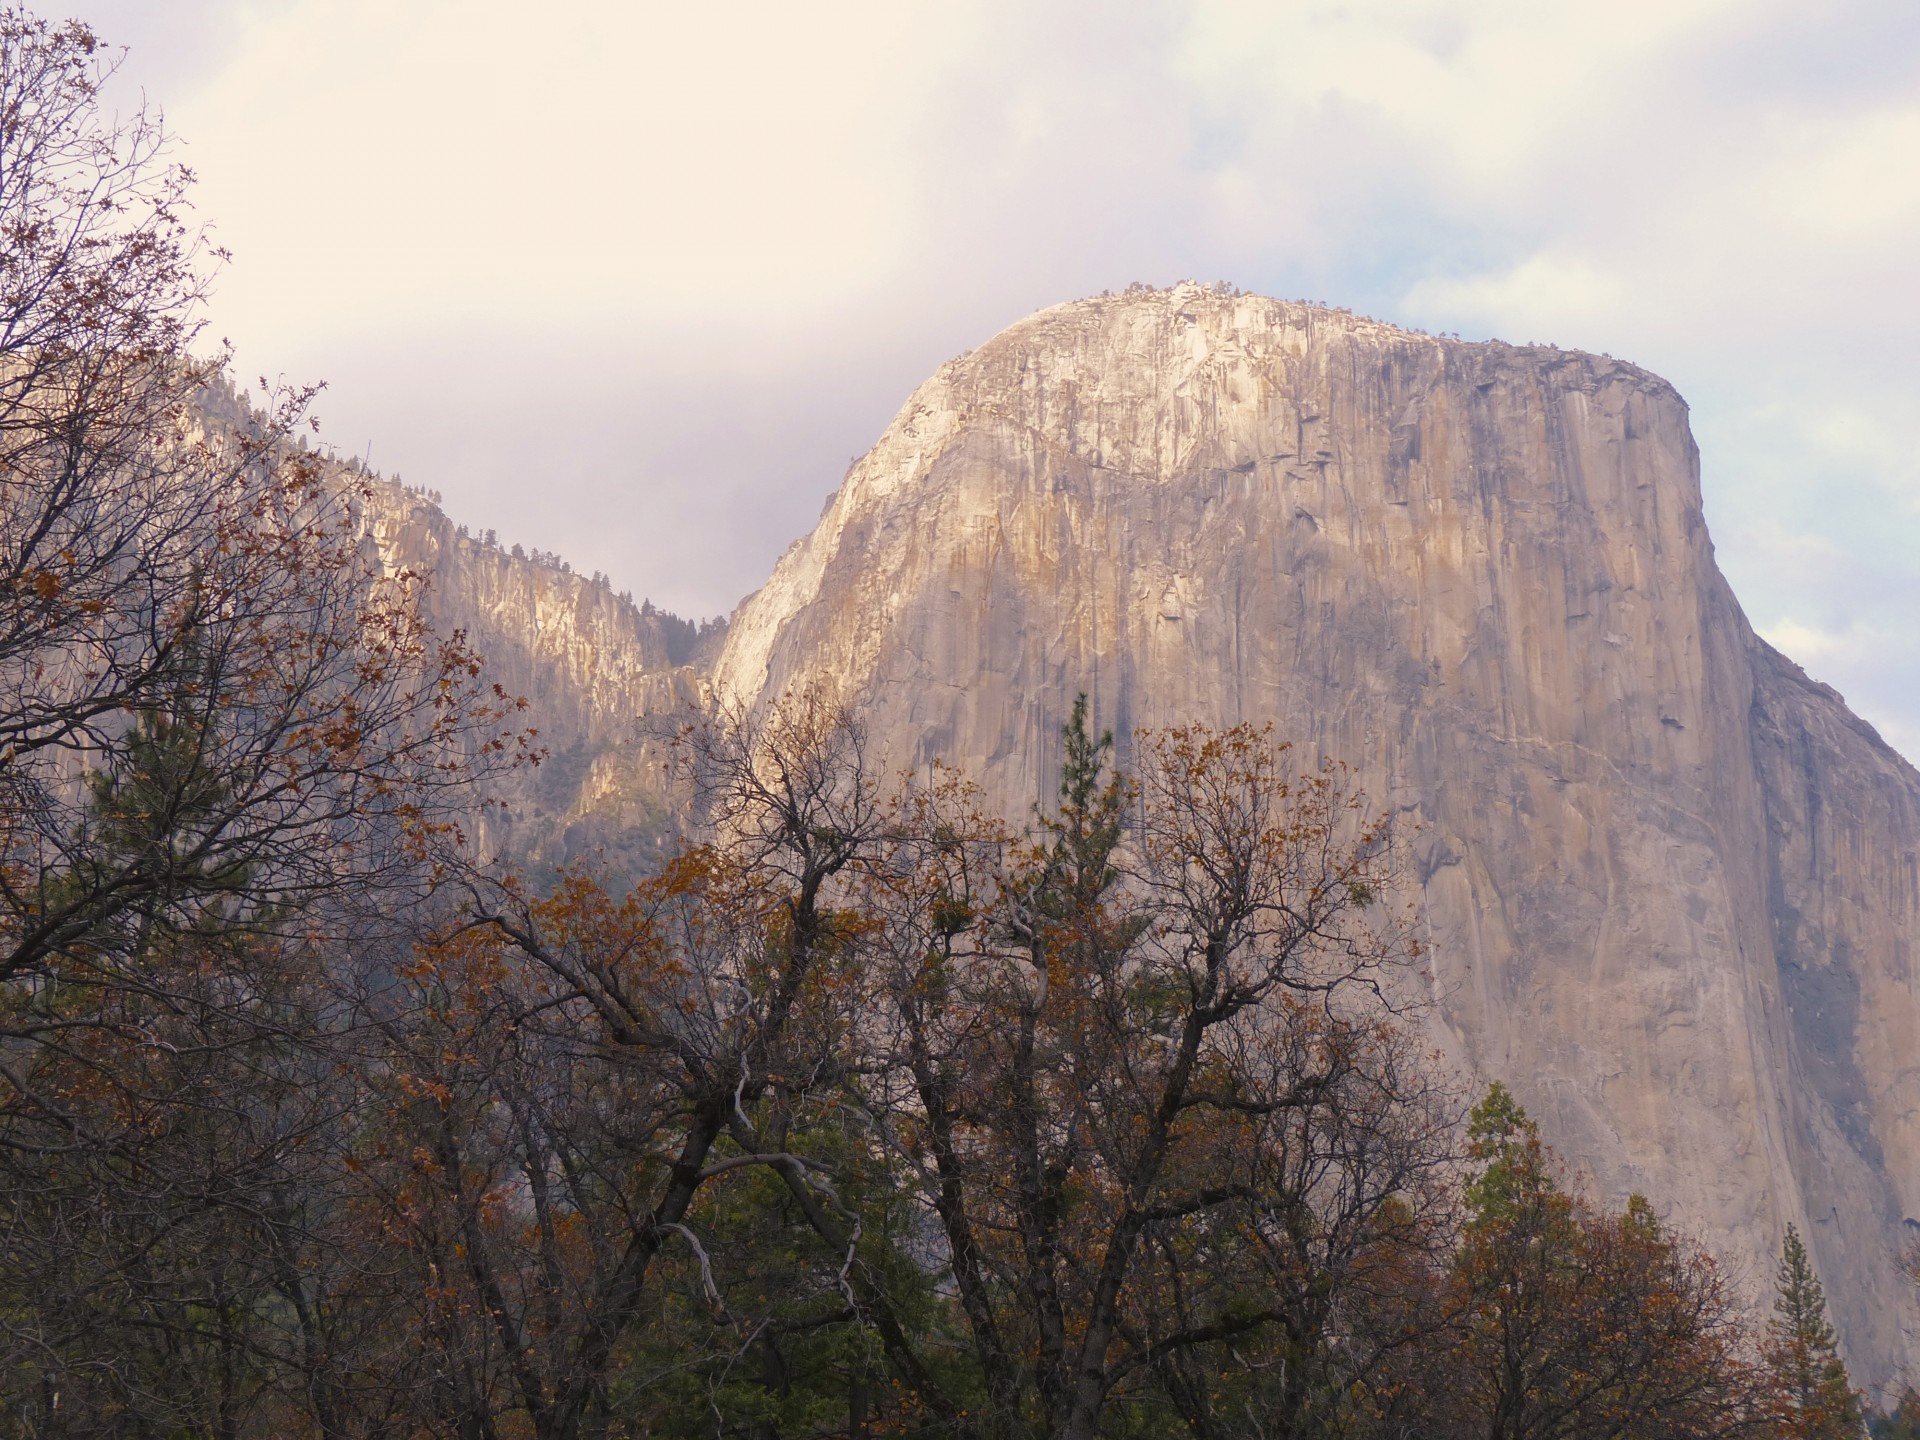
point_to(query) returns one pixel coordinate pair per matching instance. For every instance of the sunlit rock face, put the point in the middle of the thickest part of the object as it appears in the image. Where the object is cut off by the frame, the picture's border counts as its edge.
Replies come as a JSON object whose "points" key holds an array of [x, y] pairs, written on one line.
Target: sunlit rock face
{"points": [[1671, 886], [590, 664]]}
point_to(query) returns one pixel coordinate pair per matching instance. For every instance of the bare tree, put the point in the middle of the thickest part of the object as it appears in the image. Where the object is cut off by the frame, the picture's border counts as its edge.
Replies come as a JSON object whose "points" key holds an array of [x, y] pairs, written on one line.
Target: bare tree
{"points": [[682, 1026], [212, 700], [1142, 1070], [226, 738]]}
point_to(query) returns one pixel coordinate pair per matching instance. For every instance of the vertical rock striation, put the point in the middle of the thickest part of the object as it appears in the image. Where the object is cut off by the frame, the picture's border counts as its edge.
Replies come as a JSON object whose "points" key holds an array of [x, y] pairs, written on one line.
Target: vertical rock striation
{"points": [[1671, 884], [589, 663]]}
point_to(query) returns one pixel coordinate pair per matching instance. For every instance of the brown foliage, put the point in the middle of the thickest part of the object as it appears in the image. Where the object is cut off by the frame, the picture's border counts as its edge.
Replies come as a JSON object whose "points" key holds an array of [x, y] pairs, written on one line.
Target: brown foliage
{"points": [[1141, 1068], [1563, 1321]]}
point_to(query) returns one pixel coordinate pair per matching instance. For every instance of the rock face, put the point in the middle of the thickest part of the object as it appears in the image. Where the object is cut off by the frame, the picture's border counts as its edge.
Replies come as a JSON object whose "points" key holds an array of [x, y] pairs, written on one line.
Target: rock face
{"points": [[590, 664], [1672, 885]]}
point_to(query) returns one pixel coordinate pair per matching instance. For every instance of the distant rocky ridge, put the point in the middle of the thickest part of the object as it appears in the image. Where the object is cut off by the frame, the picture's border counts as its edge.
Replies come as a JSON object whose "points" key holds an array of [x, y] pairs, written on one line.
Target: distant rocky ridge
{"points": [[1671, 885], [592, 665]]}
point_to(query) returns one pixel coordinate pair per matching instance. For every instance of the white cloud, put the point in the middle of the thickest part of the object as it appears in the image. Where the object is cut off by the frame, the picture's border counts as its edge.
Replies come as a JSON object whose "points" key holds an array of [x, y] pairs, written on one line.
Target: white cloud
{"points": [[741, 233], [1807, 643], [1543, 295], [429, 161], [1854, 650]]}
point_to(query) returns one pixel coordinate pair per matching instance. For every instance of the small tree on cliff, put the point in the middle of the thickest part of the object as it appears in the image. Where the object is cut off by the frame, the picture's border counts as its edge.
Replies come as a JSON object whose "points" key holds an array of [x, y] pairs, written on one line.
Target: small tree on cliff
{"points": [[1814, 1398]]}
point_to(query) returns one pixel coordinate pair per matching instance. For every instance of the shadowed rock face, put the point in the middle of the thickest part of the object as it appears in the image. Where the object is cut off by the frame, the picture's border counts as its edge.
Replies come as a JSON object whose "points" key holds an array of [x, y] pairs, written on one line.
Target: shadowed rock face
{"points": [[1672, 885]]}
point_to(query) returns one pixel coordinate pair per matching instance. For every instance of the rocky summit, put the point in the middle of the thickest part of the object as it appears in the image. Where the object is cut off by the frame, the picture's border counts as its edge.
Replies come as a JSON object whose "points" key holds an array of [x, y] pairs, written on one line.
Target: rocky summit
{"points": [[1670, 885]]}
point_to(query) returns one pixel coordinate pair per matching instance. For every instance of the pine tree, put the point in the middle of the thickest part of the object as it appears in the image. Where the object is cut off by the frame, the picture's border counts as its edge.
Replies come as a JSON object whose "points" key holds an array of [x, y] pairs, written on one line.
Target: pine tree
{"points": [[1814, 1398], [1075, 875], [1516, 1177], [1086, 827]]}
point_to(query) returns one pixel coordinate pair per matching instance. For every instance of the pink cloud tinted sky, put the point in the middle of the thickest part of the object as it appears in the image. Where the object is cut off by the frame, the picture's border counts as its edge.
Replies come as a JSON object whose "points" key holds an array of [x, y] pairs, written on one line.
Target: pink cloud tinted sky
{"points": [[634, 281]]}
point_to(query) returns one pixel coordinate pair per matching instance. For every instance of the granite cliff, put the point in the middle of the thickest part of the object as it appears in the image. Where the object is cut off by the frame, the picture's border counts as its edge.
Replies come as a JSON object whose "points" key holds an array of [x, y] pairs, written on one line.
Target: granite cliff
{"points": [[1671, 885], [590, 663]]}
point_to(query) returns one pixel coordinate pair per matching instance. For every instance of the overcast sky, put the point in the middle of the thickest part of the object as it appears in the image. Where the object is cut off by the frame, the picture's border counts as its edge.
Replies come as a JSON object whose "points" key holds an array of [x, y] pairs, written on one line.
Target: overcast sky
{"points": [[635, 281]]}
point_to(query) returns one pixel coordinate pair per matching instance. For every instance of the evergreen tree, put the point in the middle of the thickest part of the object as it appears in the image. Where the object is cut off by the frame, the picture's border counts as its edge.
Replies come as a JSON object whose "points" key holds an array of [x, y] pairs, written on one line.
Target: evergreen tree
{"points": [[1515, 1274], [1516, 1178], [1086, 827], [158, 803], [1814, 1398]]}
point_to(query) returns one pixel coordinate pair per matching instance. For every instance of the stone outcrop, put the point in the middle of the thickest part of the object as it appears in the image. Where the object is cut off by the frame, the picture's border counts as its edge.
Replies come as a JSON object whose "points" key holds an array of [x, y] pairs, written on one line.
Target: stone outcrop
{"points": [[590, 664], [1672, 886]]}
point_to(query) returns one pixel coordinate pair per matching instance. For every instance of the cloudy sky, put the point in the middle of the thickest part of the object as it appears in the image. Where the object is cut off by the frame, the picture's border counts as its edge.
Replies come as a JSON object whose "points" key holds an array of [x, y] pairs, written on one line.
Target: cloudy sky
{"points": [[635, 281]]}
